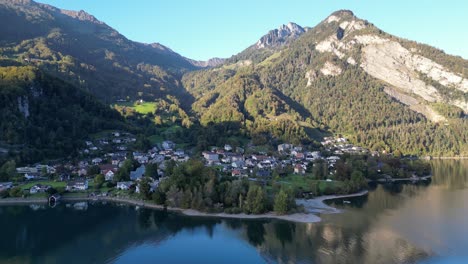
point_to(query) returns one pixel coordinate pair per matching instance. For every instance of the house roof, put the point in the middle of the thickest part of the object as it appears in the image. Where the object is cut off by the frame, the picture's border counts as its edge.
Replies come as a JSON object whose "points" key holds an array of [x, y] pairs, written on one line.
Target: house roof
{"points": [[138, 173]]}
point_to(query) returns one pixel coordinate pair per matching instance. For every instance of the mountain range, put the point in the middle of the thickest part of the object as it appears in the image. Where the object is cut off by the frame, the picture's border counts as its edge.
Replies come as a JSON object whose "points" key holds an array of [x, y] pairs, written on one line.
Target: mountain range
{"points": [[296, 84]]}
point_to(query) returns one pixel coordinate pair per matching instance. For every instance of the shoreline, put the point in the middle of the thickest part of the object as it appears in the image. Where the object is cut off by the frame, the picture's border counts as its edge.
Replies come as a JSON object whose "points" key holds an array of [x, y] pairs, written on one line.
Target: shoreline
{"points": [[312, 206], [450, 158]]}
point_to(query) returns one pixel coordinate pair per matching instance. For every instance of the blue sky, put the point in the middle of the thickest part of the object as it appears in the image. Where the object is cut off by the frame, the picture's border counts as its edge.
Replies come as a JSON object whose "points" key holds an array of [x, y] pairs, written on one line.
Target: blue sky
{"points": [[202, 29]]}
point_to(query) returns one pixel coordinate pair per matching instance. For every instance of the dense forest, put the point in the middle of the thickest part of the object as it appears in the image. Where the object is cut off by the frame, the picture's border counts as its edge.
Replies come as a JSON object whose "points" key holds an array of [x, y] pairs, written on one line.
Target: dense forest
{"points": [[42, 116]]}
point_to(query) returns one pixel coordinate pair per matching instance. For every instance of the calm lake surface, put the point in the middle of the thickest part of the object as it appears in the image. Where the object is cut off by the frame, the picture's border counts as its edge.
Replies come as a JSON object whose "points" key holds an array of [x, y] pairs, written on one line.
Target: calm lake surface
{"points": [[424, 223]]}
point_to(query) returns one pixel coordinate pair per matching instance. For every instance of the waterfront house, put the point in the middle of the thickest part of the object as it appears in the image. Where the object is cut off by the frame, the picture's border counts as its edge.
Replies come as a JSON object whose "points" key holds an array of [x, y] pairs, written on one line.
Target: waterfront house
{"points": [[124, 185], [80, 185], [5, 186], [109, 175], [39, 188]]}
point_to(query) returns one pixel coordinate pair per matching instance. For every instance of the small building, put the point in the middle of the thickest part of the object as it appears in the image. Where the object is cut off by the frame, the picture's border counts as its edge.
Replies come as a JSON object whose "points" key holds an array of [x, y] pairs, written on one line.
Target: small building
{"points": [[5, 186], [238, 173], [238, 164], [211, 157], [82, 172], [24, 170], [167, 144], [138, 173], [54, 198], [81, 185], [109, 175], [31, 176], [299, 169], [96, 161], [284, 147], [299, 155], [227, 147], [39, 188], [259, 157], [124, 185]]}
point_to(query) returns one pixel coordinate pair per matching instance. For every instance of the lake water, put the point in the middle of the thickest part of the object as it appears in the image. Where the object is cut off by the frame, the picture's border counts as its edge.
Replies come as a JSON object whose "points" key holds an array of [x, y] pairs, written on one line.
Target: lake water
{"points": [[424, 223]]}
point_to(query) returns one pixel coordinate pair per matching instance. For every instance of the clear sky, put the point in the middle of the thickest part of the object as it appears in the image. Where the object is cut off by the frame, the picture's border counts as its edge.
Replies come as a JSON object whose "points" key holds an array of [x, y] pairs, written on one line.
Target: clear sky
{"points": [[201, 29]]}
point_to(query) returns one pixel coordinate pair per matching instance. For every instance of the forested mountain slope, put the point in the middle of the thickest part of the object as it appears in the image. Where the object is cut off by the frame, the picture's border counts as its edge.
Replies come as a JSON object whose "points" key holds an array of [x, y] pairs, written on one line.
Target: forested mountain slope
{"points": [[44, 117], [76, 47], [349, 77]]}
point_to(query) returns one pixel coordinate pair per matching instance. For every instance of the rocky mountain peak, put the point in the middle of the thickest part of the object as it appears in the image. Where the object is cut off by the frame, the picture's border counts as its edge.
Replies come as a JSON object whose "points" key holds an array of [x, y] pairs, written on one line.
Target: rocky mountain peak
{"points": [[280, 36], [339, 15], [81, 15]]}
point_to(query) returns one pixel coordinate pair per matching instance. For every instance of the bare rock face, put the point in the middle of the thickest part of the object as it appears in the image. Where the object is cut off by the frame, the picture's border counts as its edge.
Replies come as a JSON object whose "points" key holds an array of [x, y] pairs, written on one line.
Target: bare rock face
{"points": [[310, 76], [81, 15], [394, 64], [280, 36], [414, 104], [384, 61], [387, 60], [330, 69]]}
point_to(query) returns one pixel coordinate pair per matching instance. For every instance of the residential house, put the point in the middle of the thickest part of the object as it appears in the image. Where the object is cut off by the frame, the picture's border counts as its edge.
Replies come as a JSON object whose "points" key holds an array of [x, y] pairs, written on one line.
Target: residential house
{"points": [[80, 185], [124, 185], [259, 157], [179, 153], [96, 161], [64, 177], [284, 147], [82, 172], [106, 167], [109, 175], [238, 164], [168, 145], [31, 176], [5, 186], [299, 156], [299, 169], [227, 147], [298, 148], [138, 173], [39, 188], [24, 170], [211, 157], [238, 173], [157, 158], [143, 160]]}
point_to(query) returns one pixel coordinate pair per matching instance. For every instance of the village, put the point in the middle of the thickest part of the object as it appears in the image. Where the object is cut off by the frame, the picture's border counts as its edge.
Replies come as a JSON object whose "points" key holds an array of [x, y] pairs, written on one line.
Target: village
{"points": [[97, 172]]}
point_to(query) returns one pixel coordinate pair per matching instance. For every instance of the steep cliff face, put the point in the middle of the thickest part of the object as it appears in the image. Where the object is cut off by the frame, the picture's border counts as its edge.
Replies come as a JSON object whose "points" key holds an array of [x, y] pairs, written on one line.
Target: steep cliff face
{"points": [[280, 36], [386, 58]]}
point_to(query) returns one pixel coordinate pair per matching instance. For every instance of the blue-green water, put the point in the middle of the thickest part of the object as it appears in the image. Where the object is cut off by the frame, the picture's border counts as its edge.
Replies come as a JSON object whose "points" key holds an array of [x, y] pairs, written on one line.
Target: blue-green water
{"points": [[424, 223]]}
